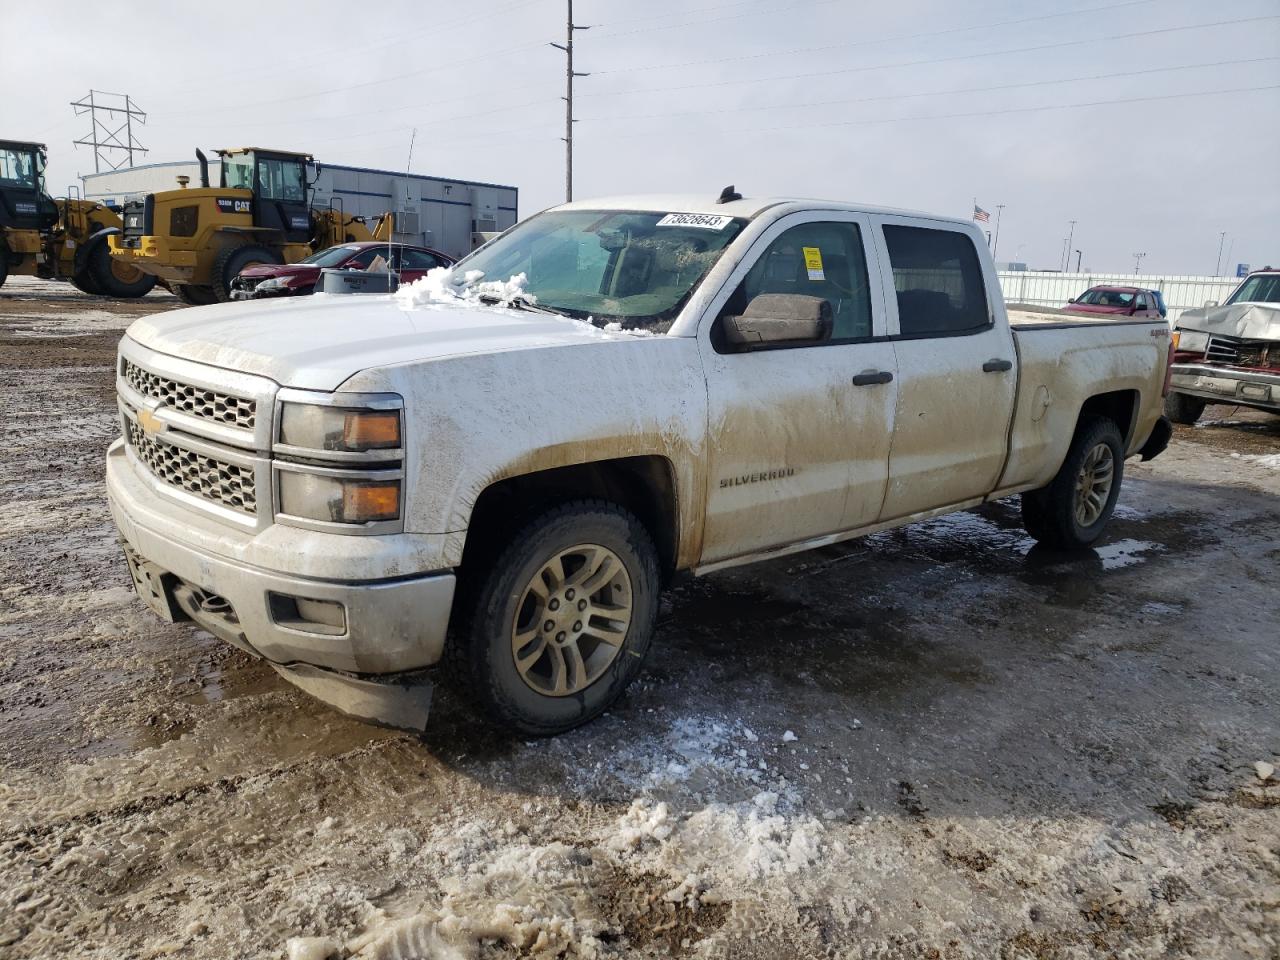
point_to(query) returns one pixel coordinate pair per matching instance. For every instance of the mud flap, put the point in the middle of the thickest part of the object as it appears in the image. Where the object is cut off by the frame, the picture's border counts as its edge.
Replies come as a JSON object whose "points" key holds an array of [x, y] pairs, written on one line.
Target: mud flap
{"points": [[1158, 440], [400, 703]]}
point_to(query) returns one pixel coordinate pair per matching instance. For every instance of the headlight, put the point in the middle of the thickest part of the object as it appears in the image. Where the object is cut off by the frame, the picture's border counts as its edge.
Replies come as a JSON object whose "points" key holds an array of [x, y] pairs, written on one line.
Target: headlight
{"points": [[273, 283], [1191, 341], [330, 499], [339, 429]]}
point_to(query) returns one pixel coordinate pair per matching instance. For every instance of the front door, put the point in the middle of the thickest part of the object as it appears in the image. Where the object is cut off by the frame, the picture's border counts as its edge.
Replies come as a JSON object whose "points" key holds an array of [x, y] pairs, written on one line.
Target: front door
{"points": [[957, 370], [280, 197], [797, 448]]}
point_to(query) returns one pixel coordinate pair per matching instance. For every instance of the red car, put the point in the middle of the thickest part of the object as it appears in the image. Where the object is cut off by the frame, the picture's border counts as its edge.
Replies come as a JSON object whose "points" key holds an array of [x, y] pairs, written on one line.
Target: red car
{"points": [[294, 279], [1116, 301]]}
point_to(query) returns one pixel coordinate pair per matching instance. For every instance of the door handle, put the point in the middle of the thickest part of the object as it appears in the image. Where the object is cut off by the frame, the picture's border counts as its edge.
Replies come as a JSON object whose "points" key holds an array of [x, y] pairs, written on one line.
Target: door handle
{"points": [[871, 377], [997, 366]]}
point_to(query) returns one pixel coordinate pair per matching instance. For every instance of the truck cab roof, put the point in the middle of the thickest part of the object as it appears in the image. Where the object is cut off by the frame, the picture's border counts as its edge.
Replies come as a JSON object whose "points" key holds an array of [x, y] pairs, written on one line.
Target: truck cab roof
{"points": [[746, 207]]}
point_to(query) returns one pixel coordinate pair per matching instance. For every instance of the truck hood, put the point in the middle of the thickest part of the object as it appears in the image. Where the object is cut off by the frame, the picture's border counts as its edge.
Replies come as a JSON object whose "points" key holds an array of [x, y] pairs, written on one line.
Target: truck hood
{"points": [[318, 342], [1253, 321]]}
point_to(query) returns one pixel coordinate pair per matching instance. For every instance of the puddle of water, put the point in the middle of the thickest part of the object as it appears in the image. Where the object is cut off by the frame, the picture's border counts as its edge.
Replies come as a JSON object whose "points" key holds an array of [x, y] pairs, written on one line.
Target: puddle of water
{"points": [[1125, 553]]}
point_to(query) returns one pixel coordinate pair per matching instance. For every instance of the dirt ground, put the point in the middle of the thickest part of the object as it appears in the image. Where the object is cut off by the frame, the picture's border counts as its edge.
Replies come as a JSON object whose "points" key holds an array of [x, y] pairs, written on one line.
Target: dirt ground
{"points": [[940, 742]]}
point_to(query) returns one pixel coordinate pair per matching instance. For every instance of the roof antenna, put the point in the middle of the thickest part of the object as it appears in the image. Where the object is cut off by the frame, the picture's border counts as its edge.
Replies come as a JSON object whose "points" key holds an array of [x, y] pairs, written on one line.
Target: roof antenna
{"points": [[728, 195]]}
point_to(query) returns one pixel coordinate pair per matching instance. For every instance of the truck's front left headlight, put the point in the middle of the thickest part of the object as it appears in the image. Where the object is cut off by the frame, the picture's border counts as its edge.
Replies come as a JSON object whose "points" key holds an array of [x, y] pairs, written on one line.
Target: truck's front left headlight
{"points": [[339, 429], [1191, 341], [337, 499], [339, 459]]}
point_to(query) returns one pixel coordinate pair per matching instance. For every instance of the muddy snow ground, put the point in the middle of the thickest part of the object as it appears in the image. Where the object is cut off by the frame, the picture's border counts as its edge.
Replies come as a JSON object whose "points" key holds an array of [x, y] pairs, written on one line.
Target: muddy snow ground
{"points": [[941, 742]]}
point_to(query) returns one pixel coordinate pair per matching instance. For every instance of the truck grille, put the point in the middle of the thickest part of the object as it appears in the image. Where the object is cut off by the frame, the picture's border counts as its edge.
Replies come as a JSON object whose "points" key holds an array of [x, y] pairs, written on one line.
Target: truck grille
{"points": [[206, 477], [193, 401], [1239, 352]]}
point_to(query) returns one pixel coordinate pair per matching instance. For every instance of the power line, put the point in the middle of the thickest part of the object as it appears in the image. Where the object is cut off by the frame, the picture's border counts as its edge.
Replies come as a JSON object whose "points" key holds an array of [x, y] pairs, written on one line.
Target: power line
{"points": [[753, 108], [934, 60], [731, 16], [893, 39], [979, 113]]}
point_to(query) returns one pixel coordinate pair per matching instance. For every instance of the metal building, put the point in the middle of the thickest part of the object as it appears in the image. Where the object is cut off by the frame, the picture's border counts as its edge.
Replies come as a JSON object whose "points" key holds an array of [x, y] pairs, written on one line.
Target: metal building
{"points": [[448, 215]]}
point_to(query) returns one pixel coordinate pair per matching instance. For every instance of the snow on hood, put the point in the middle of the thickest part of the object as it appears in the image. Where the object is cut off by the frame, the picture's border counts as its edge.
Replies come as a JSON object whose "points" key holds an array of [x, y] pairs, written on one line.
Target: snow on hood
{"points": [[1253, 321], [318, 342]]}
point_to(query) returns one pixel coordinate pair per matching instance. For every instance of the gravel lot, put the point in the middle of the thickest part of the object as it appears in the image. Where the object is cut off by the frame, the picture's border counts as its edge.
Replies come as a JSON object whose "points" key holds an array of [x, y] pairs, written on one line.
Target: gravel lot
{"points": [[940, 742]]}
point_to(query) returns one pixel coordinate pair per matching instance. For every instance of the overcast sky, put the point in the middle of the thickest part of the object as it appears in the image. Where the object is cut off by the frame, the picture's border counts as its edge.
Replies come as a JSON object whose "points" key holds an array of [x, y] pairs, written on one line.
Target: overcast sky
{"points": [[924, 104]]}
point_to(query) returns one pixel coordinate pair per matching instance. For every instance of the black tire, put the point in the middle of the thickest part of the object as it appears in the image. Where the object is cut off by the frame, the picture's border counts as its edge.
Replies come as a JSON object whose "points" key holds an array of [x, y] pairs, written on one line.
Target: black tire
{"points": [[4, 264], [231, 260], [192, 295], [106, 274], [479, 656], [1049, 514], [1182, 408], [83, 281]]}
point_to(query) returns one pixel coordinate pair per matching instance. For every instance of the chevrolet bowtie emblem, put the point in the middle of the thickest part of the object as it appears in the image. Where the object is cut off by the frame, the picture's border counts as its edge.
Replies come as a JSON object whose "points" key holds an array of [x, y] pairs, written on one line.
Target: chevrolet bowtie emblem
{"points": [[150, 423]]}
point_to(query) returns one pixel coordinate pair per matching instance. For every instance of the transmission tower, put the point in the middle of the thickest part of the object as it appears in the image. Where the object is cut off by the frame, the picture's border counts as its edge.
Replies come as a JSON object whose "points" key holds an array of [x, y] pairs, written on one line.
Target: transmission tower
{"points": [[106, 111]]}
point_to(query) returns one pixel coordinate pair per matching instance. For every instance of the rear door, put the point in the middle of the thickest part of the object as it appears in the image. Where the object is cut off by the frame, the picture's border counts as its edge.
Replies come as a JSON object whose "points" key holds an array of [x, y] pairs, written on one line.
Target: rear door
{"points": [[797, 448], [957, 370]]}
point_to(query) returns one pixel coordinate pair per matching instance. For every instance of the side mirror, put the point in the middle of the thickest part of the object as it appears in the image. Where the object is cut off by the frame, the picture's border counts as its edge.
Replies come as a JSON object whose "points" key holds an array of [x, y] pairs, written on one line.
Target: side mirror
{"points": [[1072, 300], [1210, 303], [780, 318]]}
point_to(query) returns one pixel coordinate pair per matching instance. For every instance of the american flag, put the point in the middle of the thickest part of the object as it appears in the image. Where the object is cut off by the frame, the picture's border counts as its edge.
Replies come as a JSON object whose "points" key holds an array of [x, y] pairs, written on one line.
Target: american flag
{"points": [[981, 215]]}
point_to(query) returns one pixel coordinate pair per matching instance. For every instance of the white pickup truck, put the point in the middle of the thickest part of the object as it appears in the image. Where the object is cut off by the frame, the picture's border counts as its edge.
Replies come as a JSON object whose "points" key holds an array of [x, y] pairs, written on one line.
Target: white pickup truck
{"points": [[496, 470]]}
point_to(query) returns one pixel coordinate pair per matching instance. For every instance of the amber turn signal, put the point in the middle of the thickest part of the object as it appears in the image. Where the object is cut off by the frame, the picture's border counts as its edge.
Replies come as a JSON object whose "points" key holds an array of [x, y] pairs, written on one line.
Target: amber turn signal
{"points": [[367, 502], [371, 430]]}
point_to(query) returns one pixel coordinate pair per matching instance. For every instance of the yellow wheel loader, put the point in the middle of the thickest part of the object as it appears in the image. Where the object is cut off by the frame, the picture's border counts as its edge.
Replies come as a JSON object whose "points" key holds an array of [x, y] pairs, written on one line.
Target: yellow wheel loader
{"points": [[64, 239], [196, 240]]}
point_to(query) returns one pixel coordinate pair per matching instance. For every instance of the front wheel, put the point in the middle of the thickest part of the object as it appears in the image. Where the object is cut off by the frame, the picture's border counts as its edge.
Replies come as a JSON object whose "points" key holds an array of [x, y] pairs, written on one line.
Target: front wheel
{"points": [[1181, 408], [562, 620], [193, 295], [114, 276], [1072, 511]]}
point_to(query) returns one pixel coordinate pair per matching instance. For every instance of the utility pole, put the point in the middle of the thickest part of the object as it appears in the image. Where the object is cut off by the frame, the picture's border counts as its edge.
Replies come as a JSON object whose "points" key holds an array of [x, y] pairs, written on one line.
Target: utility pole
{"points": [[1079, 255], [996, 246], [567, 47], [104, 136], [1217, 271], [1137, 262]]}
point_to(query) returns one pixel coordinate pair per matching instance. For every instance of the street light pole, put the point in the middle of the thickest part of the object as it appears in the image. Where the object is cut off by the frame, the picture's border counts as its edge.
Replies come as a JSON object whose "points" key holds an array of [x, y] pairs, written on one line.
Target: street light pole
{"points": [[1066, 258], [1078, 256], [996, 245], [1217, 271]]}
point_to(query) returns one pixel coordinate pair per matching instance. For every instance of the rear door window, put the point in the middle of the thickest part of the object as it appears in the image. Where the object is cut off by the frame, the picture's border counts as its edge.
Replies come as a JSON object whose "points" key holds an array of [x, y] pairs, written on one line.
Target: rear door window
{"points": [[419, 260], [938, 280]]}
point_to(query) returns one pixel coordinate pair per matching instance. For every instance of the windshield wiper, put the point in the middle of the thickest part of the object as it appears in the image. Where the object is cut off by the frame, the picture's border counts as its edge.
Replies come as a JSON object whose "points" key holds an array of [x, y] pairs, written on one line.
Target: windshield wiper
{"points": [[519, 302]]}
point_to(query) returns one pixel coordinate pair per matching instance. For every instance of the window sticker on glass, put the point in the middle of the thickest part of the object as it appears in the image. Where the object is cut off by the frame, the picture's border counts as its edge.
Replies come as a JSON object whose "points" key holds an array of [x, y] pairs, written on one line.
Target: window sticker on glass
{"points": [[813, 263], [704, 221]]}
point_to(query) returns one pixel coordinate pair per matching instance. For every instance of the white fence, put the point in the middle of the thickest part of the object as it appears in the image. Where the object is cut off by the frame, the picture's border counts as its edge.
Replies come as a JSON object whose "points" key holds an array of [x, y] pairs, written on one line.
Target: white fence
{"points": [[1055, 289]]}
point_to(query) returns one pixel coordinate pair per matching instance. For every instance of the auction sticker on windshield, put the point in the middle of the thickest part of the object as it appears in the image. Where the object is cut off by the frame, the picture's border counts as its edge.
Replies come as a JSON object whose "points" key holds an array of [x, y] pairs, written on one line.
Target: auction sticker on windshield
{"points": [[705, 221]]}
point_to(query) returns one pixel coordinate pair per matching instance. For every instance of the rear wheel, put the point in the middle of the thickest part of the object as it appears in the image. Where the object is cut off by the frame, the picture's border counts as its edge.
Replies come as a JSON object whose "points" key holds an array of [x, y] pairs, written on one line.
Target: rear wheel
{"points": [[1073, 510], [4, 264], [1181, 408], [561, 621], [229, 262], [115, 277], [193, 295]]}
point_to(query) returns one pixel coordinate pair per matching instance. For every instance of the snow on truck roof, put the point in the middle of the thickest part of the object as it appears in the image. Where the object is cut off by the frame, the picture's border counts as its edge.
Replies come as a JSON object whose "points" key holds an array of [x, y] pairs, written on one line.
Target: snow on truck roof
{"points": [[747, 207]]}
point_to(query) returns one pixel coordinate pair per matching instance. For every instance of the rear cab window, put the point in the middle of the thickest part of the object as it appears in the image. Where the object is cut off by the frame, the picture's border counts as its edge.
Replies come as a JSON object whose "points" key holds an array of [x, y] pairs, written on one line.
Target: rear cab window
{"points": [[939, 283]]}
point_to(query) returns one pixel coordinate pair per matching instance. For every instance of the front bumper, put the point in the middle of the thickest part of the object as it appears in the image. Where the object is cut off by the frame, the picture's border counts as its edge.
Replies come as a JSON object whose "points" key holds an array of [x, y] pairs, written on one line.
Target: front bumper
{"points": [[361, 662], [153, 255], [1254, 388]]}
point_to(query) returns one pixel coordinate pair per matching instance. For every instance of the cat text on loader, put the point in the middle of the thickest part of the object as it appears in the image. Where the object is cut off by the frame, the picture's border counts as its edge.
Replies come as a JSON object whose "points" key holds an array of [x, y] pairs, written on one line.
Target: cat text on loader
{"points": [[63, 239], [197, 240]]}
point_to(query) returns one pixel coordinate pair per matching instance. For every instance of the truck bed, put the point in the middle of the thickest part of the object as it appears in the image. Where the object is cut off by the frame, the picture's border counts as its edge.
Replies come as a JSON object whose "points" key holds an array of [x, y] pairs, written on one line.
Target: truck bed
{"points": [[1030, 316]]}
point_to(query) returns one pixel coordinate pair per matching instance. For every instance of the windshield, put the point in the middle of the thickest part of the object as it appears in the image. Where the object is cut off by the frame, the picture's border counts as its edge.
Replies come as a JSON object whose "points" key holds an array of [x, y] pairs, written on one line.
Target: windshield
{"points": [[330, 257], [17, 168], [1106, 298], [1260, 288], [633, 268], [237, 171]]}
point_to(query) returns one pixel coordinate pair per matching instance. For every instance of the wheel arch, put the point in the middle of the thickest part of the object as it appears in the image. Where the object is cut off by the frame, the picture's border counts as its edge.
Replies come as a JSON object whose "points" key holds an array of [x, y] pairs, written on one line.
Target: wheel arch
{"points": [[1119, 406], [645, 485]]}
